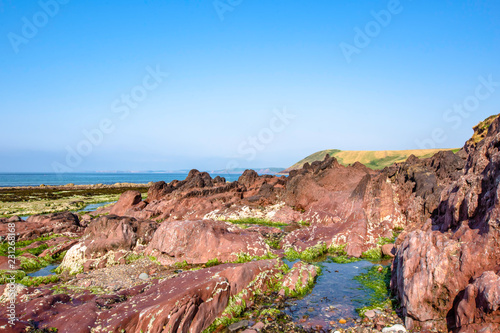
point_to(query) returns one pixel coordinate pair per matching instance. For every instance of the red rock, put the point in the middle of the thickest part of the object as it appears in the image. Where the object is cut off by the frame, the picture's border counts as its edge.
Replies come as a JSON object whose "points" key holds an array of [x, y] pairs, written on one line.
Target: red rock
{"points": [[442, 264], [388, 250], [40, 225], [128, 200], [199, 241], [117, 233], [57, 249], [299, 276], [480, 303], [189, 302], [14, 264], [345, 205]]}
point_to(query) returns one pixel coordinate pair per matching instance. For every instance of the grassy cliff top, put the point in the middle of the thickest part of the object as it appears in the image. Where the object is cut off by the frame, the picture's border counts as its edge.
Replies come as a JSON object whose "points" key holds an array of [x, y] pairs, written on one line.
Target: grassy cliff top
{"points": [[373, 159]]}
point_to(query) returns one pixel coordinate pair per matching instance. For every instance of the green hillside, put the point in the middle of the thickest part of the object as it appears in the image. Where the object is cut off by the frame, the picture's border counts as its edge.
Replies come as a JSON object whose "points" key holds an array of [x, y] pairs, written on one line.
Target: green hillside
{"points": [[373, 159]]}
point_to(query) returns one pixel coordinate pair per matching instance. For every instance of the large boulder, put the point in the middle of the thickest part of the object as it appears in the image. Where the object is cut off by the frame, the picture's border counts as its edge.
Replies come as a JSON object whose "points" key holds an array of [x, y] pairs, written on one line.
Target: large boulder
{"points": [[107, 241], [112, 232], [197, 242]]}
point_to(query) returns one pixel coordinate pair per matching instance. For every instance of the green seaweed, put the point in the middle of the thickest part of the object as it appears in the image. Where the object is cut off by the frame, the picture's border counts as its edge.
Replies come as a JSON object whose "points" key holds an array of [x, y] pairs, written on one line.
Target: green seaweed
{"points": [[376, 282], [372, 254]]}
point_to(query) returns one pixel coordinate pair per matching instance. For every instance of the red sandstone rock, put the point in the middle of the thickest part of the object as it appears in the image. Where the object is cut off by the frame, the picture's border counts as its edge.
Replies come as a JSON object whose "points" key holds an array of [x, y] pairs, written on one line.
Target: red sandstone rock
{"points": [[299, 276], [480, 304], [388, 250], [187, 303], [128, 200], [443, 264], [199, 241]]}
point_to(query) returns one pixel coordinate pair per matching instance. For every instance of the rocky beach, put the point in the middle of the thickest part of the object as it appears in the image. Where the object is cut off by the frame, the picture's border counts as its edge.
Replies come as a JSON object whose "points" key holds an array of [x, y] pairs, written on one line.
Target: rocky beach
{"points": [[418, 239]]}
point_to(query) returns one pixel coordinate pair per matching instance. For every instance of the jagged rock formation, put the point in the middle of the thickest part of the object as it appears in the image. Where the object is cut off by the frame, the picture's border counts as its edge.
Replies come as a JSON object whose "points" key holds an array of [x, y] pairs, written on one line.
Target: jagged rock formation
{"points": [[446, 272]]}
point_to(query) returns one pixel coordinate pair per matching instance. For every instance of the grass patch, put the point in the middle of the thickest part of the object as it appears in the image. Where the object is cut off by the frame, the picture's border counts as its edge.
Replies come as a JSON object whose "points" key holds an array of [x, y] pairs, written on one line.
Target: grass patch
{"points": [[213, 262], [131, 257], [245, 257], [258, 221], [181, 265], [274, 243], [4, 246]]}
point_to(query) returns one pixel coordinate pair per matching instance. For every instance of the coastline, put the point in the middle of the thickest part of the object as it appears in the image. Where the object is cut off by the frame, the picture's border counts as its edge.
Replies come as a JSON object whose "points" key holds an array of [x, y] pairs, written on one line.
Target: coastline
{"points": [[45, 199]]}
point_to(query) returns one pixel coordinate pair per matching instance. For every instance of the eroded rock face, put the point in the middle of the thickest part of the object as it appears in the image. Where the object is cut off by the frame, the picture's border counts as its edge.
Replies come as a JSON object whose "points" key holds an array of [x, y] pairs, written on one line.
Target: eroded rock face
{"points": [[113, 232], [439, 270], [480, 304], [345, 205], [197, 242], [187, 303]]}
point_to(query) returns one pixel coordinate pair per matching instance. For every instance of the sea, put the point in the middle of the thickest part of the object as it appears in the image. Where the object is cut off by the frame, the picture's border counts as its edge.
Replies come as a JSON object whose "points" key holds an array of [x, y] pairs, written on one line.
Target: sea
{"points": [[37, 179]]}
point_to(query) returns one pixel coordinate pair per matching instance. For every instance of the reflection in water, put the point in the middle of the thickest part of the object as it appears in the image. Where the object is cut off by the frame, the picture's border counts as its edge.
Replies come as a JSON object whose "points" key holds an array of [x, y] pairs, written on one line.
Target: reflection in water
{"points": [[44, 271]]}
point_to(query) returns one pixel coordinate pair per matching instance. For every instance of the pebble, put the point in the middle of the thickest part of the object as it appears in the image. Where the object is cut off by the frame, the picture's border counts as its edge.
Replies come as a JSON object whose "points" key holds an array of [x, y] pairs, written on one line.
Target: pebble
{"points": [[237, 326], [143, 276], [370, 314], [258, 326], [342, 321]]}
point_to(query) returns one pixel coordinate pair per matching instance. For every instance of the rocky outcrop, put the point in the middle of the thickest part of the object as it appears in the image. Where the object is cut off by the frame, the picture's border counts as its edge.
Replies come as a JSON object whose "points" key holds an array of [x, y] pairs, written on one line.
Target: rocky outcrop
{"points": [[197, 242], [199, 195], [189, 302], [39, 225], [346, 205], [439, 270], [419, 183]]}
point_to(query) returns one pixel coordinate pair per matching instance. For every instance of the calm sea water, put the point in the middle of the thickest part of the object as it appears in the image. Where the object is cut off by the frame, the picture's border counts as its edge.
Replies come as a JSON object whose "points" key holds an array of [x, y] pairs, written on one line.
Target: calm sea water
{"points": [[36, 179]]}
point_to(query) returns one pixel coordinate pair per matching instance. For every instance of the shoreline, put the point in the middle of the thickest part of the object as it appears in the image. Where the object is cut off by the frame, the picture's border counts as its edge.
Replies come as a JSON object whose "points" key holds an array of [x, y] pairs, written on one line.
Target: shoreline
{"points": [[72, 186]]}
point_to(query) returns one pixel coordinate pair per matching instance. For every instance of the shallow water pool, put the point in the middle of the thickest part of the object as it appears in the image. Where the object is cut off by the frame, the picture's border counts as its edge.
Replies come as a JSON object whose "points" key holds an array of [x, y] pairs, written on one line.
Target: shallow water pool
{"points": [[335, 296], [44, 271]]}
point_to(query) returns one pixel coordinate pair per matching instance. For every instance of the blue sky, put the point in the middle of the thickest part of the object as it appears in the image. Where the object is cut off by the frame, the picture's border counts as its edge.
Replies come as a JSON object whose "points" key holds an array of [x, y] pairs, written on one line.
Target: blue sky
{"points": [[233, 66]]}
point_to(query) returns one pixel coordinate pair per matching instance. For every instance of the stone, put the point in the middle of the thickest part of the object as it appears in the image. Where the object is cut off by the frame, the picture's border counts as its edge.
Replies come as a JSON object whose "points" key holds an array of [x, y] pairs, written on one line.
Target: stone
{"points": [[238, 325], [396, 328], [388, 250], [299, 277], [143, 276], [370, 314], [189, 302], [258, 326]]}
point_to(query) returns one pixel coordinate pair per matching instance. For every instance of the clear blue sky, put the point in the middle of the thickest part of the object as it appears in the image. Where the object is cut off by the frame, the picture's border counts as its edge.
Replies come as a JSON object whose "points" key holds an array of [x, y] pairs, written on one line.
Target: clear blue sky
{"points": [[227, 77]]}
